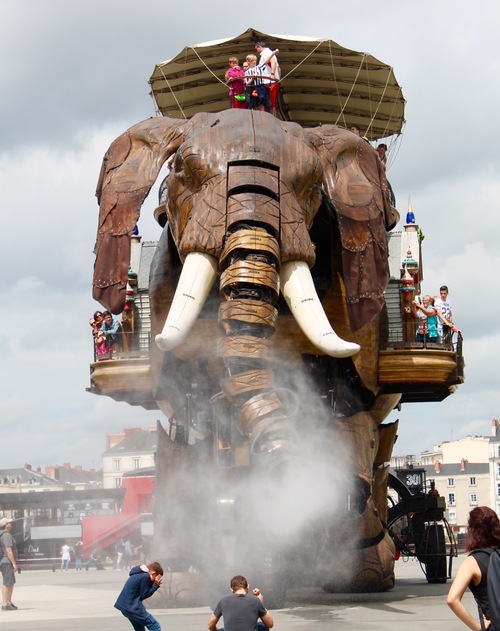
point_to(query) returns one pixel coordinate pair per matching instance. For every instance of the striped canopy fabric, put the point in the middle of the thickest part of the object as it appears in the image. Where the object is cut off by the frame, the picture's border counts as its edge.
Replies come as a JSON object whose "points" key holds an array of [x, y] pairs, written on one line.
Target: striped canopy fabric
{"points": [[321, 83]]}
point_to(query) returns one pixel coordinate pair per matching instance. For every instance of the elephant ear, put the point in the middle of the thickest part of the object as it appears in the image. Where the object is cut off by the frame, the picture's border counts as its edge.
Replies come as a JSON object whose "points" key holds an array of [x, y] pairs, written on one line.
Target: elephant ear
{"points": [[354, 181], [129, 169]]}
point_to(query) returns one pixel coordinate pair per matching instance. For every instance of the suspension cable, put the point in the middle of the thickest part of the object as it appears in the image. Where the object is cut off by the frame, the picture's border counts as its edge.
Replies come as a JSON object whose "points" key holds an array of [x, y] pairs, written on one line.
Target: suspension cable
{"points": [[172, 92]]}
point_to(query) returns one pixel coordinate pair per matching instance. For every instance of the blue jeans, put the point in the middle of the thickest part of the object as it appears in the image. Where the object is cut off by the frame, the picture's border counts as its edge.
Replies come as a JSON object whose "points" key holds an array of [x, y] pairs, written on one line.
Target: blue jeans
{"points": [[78, 561], [141, 623]]}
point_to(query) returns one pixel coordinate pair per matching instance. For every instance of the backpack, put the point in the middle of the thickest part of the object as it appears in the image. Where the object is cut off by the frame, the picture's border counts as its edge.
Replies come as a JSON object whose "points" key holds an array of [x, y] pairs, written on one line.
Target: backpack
{"points": [[493, 587]]}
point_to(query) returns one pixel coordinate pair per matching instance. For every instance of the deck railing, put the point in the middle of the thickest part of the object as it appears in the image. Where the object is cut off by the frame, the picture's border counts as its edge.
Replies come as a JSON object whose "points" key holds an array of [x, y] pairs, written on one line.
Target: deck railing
{"points": [[404, 336], [141, 351]]}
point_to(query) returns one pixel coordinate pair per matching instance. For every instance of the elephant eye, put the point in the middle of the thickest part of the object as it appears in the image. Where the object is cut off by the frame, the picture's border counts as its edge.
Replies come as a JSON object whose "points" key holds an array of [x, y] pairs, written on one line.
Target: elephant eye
{"points": [[178, 163], [189, 169]]}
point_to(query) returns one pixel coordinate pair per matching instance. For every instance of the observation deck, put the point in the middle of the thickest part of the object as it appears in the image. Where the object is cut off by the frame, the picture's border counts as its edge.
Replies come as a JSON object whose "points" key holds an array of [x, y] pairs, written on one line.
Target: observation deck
{"points": [[421, 372]]}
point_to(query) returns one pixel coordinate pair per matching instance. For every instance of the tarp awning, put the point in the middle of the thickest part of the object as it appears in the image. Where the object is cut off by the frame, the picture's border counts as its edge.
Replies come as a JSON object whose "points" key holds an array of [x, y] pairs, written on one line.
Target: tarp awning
{"points": [[322, 82]]}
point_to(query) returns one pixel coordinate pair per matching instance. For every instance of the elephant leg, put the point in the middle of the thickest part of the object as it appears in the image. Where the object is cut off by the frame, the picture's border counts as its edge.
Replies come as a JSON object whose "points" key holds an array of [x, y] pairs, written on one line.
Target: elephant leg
{"points": [[371, 555], [387, 438]]}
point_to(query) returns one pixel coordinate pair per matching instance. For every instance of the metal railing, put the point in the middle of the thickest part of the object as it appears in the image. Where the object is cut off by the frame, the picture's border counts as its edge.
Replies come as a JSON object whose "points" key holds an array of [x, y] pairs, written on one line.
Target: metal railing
{"points": [[141, 350], [405, 336]]}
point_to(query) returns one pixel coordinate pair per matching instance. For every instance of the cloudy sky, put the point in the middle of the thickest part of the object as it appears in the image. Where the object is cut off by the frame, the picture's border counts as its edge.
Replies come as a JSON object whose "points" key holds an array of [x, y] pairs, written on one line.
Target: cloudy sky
{"points": [[74, 76]]}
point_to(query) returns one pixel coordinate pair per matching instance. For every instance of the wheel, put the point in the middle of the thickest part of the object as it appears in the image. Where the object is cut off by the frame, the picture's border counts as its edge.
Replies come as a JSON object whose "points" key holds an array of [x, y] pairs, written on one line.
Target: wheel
{"points": [[402, 535], [433, 553]]}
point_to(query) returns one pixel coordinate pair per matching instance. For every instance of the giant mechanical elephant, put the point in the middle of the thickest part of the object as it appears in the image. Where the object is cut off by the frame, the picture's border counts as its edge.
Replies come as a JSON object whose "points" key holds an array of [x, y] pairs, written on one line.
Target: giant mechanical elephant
{"points": [[271, 209]]}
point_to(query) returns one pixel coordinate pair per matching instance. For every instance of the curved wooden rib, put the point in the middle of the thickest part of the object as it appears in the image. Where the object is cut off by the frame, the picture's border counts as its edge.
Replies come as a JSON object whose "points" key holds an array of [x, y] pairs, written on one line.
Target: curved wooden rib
{"points": [[415, 366]]}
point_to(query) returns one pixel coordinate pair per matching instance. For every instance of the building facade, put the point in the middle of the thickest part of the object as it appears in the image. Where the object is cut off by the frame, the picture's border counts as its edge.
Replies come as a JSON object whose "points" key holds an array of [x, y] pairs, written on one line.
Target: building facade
{"points": [[466, 472], [128, 451]]}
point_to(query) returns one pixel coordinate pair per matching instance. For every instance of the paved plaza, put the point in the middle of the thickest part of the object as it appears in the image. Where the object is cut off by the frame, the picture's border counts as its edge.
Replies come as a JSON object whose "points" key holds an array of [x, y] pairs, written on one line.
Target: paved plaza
{"points": [[84, 600]]}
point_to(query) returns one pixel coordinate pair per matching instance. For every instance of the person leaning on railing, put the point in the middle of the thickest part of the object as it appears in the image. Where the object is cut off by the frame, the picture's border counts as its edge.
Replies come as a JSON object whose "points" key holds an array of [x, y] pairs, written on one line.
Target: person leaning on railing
{"points": [[112, 329], [101, 345], [427, 320], [234, 78]]}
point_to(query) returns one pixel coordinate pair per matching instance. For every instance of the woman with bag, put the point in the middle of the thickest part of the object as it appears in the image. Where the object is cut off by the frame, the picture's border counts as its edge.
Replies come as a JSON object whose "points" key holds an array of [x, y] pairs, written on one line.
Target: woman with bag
{"points": [[483, 531]]}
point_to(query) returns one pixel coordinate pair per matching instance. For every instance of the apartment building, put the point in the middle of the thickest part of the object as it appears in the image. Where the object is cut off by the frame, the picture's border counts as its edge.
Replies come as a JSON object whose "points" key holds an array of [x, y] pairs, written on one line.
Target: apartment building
{"points": [[127, 451], [466, 472]]}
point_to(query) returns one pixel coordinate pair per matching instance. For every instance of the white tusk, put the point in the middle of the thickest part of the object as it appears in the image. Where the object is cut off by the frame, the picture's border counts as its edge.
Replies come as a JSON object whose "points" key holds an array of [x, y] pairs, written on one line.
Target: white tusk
{"points": [[197, 277], [298, 289]]}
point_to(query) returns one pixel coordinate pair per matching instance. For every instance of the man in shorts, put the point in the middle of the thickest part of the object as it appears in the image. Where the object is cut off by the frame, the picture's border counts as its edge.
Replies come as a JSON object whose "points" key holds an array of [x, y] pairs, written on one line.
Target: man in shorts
{"points": [[257, 96], [8, 564], [241, 611], [268, 58]]}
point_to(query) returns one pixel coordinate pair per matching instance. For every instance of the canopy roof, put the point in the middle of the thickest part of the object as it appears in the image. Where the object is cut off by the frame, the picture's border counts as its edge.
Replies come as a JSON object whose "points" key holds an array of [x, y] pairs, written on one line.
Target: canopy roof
{"points": [[321, 82]]}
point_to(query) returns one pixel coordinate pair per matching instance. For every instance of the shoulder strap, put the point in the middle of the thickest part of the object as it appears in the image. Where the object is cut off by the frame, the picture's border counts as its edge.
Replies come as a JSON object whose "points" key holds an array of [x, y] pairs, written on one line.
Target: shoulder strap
{"points": [[488, 551]]}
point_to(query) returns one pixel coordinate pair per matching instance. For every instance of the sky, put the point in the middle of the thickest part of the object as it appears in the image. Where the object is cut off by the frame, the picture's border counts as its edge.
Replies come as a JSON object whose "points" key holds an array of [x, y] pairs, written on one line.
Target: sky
{"points": [[74, 76]]}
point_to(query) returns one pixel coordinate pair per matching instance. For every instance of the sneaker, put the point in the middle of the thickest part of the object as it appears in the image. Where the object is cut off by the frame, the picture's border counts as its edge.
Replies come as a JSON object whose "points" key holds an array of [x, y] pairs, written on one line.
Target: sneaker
{"points": [[13, 606], [8, 607]]}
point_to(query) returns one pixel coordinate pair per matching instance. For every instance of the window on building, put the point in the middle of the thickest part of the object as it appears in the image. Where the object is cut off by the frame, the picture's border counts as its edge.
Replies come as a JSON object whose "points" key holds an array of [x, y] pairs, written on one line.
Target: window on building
{"points": [[137, 463], [451, 481], [498, 490], [452, 517], [498, 451], [451, 499], [473, 499], [498, 469], [118, 483], [472, 481], [117, 464]]}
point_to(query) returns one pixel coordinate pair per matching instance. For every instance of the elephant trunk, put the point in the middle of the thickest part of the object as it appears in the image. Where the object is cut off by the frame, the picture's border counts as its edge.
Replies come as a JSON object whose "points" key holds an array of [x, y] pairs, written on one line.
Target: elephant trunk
{"points": [[249, 288]]}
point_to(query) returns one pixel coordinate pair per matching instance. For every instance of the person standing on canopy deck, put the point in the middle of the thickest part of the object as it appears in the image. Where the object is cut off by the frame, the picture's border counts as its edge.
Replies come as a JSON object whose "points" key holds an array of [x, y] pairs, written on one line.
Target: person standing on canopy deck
{"points": [[257, 97], [382, 153], [234, 78], [268, 58]]}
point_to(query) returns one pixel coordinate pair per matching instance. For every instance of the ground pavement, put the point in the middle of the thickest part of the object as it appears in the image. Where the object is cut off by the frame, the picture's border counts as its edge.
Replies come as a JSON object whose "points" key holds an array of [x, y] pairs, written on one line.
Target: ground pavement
{"points": [[84, 600]]}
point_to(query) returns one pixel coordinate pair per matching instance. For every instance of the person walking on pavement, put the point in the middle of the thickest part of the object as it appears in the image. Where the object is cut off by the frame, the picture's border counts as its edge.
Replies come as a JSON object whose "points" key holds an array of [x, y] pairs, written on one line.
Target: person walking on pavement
{"points": [[129, 553], [65, 557], [8, 563], [120, 549], [79, 555]]}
